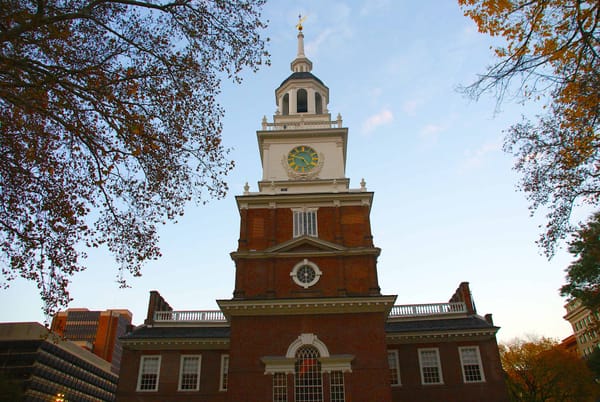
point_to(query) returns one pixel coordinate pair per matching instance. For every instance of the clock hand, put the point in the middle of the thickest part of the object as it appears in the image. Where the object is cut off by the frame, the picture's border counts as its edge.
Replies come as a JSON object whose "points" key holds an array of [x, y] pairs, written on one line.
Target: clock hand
{"points": [[301, 157]]}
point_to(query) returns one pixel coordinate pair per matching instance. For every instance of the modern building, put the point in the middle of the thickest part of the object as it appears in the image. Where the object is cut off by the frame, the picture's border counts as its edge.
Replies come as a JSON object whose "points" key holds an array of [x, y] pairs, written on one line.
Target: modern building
{"points": [[585, 325], [307, 321], [45, 367], [96, 331]]}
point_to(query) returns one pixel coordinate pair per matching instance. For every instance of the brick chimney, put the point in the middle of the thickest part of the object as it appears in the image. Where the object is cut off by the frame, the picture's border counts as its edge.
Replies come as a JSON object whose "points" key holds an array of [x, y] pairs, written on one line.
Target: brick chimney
{"points": [[463, 294], [156, 303]]}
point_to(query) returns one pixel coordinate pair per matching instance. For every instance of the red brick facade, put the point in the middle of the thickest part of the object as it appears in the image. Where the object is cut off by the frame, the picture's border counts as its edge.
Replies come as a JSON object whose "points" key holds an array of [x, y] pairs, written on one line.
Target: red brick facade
{"points": [[307, 321]]}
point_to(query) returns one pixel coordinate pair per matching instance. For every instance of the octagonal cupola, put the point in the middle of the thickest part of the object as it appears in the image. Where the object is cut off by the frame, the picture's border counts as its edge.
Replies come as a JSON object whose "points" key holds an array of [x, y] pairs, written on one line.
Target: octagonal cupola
{"points": [[302, 93]]}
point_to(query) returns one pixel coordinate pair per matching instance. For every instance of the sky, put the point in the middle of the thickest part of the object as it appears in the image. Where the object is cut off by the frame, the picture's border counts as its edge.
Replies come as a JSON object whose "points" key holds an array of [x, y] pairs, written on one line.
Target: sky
{"points": [[446, 207]]}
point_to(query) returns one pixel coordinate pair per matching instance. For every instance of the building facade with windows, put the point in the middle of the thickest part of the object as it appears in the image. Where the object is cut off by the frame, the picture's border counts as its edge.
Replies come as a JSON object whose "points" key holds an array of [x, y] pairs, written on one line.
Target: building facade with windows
{"points": [[585, 326], [46, 367], [307, 321], [96, 331]]}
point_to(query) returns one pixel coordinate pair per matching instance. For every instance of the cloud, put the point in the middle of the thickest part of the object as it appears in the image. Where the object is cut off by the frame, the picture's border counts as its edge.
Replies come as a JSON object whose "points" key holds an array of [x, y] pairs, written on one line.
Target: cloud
{"points": [[409, 107], [430, 133], [333, 32], [312, 47], [474, 159], [384, 117], [371, 6]]}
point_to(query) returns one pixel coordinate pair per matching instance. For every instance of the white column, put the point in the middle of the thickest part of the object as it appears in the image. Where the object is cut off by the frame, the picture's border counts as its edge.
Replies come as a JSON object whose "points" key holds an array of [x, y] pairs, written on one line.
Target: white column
{"points": [[310, 93], [293, 101]]}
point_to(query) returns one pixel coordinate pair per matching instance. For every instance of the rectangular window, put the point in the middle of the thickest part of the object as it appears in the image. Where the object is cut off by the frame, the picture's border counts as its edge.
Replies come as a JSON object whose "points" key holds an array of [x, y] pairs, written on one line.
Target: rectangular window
{"points": [[470, 361], [305, 222], [279, 387], [336, 379], [189, 373], [149, 373], [394, 367], [431, 368], [224, 373]]}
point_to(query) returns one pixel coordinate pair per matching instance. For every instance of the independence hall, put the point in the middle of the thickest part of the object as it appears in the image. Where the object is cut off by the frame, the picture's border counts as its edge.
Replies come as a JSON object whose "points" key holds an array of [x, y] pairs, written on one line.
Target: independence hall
{"points": [[307, 321]]}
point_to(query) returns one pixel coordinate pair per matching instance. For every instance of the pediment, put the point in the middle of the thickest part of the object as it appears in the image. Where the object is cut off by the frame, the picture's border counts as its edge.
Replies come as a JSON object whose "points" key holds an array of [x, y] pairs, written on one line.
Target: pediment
{"points": [[305, 244]]}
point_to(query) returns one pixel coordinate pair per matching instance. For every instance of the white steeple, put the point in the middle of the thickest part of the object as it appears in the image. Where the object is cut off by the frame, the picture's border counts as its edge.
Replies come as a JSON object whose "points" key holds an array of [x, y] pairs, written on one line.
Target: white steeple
{"points": [[301, 63], [302, 150]]}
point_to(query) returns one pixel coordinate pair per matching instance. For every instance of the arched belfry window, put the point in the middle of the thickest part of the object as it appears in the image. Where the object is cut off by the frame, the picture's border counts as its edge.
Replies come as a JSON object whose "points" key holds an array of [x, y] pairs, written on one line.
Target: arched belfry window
{"points": [[302, 101], [308, 380], [285, 105], [318, 103]]}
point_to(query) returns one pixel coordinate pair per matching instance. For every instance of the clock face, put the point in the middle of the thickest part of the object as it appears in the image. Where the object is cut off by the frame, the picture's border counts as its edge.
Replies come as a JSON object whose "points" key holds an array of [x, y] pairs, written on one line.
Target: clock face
{"points": [[302, 159], [306, 274]]}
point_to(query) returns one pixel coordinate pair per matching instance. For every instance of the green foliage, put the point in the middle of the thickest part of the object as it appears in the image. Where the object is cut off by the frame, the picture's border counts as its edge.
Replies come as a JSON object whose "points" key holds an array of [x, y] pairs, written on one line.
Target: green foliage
{"points": [[593, 362], [583, 274], [109, 125]]}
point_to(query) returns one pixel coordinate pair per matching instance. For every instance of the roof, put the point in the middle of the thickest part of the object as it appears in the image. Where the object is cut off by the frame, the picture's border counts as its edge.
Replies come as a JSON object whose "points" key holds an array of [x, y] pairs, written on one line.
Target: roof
{"points": [[448, 324], [300, 76], [145, 332]]}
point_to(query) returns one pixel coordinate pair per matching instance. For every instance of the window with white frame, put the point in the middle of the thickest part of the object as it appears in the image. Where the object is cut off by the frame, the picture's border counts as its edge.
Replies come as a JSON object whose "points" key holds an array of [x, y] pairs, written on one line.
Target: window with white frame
{"points": [[224, 373], [149, 373], [305, 222], [336, 386], [394, 367], [279, 387], [431, 368], [470, 360], [308, 377], [189, 373]]}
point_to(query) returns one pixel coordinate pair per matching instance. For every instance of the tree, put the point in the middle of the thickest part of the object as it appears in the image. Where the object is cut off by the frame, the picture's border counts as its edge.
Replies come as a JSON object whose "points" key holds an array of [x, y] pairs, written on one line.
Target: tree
{"points": [[583, 274], [542, 371], [551, 53], [109, 125]]}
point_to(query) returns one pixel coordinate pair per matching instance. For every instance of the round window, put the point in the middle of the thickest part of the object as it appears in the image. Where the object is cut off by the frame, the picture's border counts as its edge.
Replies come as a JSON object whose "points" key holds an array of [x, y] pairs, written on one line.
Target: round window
{"points": [[305, 273]]}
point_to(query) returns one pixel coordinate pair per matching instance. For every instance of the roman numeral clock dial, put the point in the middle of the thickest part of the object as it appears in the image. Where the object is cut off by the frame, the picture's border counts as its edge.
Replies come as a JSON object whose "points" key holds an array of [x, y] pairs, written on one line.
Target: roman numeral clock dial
{"points": [[303, 159]]}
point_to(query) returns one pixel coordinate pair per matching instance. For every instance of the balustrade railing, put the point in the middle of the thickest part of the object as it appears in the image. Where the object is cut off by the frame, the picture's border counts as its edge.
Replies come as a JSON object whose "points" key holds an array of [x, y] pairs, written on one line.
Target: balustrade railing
{"points": [[401, 311], [189, 316], [302, 124], [417, 310]]}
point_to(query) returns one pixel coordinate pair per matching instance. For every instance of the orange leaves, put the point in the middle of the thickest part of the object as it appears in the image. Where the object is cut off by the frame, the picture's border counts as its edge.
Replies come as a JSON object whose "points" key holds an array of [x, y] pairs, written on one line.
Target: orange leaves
{"points": [[540, 370], [112, 118], [552, 52]]}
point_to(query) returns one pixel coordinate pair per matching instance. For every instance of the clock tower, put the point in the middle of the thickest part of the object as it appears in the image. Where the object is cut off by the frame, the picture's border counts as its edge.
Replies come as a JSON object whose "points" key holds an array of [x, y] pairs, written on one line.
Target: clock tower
{"points": [[307, 317], [307, 321]]}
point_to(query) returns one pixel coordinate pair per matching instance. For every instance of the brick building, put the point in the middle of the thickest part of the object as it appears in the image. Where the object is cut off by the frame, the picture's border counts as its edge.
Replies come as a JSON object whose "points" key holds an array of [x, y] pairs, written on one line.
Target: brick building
{"points": [[96, 331], [307, 321]]}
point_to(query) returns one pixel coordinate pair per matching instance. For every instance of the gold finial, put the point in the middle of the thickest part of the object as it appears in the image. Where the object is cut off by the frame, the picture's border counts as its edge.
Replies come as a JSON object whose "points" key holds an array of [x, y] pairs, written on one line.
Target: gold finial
{"points": [[300, 21]]}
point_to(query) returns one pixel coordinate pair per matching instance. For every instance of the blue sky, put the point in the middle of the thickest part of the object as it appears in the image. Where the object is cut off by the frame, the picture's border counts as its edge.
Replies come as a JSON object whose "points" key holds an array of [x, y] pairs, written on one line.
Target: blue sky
{"points": [[446, 209]]}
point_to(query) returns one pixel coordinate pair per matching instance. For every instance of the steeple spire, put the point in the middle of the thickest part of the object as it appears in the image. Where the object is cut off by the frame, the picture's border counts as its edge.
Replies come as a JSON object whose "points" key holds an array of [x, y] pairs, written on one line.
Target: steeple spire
{"points": [[301, 63]]}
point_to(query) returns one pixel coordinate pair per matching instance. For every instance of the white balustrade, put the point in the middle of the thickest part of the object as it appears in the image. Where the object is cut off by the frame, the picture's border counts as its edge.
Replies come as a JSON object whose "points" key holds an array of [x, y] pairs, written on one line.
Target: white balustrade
{"points": [[301, 124], [408, 310], [416, 310], [189, 316]]}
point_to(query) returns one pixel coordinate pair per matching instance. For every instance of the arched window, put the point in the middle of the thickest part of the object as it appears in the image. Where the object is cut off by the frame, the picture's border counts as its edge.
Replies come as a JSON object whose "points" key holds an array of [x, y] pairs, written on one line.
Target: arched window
{"points": [[318, 103], [285, 105], [308, 382], [302, 101]]}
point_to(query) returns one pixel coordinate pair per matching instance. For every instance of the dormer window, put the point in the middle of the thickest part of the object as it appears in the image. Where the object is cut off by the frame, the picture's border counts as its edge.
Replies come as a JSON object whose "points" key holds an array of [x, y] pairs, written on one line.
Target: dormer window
{"points": [[301, 101]]}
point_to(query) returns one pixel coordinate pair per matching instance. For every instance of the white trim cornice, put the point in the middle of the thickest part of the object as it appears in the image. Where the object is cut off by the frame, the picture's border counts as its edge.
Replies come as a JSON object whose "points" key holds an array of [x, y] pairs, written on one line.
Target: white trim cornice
{"points": [[291, 200], [175, 343], [440, 335], [339, 305]]}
